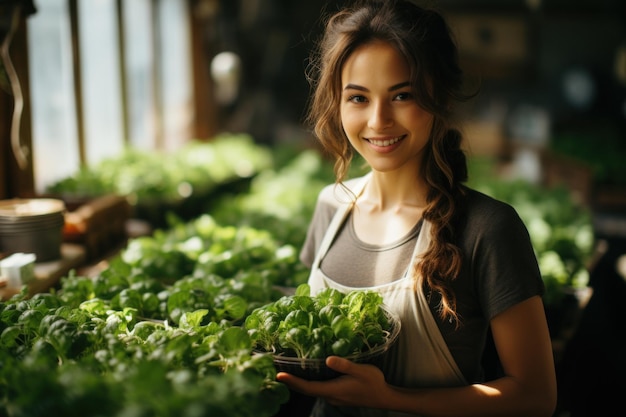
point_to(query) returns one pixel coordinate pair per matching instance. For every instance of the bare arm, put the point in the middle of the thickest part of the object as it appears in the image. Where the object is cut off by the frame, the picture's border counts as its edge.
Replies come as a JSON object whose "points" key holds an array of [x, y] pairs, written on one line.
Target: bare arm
{"points": [[528, 388]]}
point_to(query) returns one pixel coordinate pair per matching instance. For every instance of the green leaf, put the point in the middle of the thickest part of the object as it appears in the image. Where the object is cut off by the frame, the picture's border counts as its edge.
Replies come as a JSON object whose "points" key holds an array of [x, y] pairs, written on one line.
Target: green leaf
{"points": [[10, 336], [303, 290], [192, 319], [235, 306], [235, 338], [342, 347]]}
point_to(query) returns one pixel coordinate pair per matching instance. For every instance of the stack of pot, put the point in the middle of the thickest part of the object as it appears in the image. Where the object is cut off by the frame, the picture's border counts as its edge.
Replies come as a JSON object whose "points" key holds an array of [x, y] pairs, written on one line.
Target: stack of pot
{"points": [[32, 226]]}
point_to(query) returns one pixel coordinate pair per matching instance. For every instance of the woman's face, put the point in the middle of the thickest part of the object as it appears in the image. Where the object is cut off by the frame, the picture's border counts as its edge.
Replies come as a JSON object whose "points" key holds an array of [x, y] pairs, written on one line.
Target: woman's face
{"points": [[379, 114]]}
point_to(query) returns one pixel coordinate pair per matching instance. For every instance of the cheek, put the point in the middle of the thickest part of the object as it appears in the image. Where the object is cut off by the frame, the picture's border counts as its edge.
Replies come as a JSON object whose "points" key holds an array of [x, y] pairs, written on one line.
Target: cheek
{"points": [[345, 125], [349, 121], [421, 120]]}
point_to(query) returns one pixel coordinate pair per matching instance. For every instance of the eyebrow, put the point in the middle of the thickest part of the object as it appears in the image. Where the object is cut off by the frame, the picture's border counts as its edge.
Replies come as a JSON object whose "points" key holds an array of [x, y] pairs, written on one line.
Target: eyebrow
{"points": [[392, 88]]}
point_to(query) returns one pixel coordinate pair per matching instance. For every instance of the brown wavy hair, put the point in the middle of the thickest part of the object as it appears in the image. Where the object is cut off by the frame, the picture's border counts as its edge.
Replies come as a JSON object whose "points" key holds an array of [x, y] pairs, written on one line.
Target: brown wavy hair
{"points": [[424, 39]]}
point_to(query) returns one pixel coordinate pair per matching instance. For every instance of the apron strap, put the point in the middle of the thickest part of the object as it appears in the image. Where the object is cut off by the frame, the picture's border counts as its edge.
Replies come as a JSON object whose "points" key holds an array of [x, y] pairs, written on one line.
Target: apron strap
{"points": [[337, 220]]}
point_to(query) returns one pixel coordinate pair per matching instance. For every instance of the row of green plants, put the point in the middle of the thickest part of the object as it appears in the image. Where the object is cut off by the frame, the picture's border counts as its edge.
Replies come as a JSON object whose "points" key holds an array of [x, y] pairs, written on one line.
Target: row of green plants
{"points": [[160, 331], [155, 177], [184, 181]]}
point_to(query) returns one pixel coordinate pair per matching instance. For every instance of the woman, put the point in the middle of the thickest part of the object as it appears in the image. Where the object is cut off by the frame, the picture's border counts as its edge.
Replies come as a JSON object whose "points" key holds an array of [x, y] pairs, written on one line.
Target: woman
{"points": [[454, 264]]}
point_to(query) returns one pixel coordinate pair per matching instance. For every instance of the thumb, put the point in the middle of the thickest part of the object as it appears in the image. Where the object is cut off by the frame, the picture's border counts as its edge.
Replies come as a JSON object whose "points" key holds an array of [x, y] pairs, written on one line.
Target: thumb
{"points": [[348, 367], [339, 364]]}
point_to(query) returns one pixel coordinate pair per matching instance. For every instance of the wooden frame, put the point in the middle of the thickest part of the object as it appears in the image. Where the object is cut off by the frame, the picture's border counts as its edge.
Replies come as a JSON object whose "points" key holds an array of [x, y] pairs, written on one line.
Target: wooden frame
{"points": [[16, 179]]}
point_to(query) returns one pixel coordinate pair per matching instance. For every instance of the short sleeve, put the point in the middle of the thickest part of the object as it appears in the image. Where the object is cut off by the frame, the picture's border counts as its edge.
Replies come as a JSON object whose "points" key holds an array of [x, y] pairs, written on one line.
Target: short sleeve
{"points": [[504, 262]]}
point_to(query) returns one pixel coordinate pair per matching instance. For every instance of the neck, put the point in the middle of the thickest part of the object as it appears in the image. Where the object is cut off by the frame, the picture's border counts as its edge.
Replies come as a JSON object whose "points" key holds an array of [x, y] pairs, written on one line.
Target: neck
{"points": [[394, 191]]}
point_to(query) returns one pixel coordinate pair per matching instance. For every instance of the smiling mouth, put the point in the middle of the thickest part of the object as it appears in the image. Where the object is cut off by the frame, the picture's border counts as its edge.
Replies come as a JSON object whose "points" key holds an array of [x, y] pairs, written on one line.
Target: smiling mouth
{"points": [[385, 142]]}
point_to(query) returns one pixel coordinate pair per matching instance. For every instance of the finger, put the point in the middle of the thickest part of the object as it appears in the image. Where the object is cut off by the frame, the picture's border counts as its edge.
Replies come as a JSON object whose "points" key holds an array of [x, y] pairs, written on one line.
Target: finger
{"points": [[311, 388], [286, 378], [348, 367], [295, 383], [339, 364]]}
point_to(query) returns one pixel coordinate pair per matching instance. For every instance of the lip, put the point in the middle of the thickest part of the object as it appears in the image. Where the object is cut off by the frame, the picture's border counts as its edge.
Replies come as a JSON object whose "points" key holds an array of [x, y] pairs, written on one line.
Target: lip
{"points": [[385, 143]]}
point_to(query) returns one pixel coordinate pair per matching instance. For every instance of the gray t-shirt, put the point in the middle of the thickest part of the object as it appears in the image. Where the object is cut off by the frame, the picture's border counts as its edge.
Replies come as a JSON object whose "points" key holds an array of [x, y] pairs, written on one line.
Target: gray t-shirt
{"points": [[360, 267], [499, 269]]}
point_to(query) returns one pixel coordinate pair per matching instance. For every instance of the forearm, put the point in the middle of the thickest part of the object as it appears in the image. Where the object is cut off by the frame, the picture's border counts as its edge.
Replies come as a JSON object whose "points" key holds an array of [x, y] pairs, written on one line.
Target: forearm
{"points": [[503, 397]]}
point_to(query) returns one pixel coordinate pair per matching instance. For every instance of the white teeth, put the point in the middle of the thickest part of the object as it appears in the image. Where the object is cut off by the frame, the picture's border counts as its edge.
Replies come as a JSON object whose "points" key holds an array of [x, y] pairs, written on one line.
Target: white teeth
{"points": [[385, 142]]}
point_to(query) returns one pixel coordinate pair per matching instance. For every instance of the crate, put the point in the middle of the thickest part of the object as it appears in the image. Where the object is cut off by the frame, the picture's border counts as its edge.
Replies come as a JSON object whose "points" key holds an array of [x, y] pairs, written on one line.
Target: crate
{"points": [[98, 224]]}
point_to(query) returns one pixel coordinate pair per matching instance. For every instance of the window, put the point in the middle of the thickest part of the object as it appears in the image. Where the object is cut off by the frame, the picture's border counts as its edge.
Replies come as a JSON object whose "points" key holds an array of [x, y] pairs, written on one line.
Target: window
{"points": [[175, 83], [128, 81], [140, 56], [55, 140], [102, 95]]}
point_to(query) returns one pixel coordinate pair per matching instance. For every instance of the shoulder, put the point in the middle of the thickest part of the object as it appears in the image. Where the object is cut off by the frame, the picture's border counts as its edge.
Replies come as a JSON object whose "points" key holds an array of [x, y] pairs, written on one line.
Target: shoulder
{"points": [[340, 193], [479, 202], [492, 225], [330, 198], [485, 212]]}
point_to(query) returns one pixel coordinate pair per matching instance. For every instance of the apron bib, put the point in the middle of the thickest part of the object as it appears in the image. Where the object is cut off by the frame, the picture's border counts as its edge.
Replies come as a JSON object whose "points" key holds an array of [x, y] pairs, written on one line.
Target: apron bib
{"points": [[420, 357]]}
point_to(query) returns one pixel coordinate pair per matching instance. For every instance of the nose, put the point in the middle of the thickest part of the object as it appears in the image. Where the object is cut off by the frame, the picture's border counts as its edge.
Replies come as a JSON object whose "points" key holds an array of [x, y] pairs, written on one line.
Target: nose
{"points": [[380, 116]]}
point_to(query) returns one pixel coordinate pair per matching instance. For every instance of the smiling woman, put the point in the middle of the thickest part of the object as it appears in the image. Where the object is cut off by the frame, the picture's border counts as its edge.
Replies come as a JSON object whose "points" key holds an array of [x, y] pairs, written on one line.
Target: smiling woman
{"points": [[451, 262]]}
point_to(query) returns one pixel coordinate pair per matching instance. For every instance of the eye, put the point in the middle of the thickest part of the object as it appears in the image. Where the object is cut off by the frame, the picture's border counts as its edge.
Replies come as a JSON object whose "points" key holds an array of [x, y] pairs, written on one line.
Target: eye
{"points": [[357, 99], [404, 96]]}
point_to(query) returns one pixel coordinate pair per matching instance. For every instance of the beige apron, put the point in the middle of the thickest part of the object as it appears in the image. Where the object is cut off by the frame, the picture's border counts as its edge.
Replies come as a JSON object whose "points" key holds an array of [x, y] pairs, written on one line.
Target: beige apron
{"points": [[420, 356]]}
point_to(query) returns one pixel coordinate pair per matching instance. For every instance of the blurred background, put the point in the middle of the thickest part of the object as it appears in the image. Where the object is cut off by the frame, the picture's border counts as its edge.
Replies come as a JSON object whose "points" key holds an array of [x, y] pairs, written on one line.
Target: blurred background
{"points": [[83, 82], [93, 76]]}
